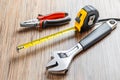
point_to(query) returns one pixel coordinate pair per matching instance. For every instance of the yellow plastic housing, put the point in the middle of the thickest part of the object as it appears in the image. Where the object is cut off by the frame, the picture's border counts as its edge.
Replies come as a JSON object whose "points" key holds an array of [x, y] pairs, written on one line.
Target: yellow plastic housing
{"points": [[82, 15]]}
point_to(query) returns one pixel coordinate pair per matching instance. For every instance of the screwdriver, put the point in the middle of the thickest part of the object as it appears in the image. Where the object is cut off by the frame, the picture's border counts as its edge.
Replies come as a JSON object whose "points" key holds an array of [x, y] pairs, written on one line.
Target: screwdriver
{"points": [[85, 19]]}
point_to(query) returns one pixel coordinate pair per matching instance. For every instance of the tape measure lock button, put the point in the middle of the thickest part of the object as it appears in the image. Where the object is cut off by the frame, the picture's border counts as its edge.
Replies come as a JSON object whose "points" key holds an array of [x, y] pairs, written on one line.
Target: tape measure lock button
{"points": [[77, 19]]}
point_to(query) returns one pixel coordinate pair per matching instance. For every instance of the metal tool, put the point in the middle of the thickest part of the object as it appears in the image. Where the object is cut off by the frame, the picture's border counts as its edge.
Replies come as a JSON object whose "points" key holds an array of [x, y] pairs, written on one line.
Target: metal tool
{"points": [[61, 60], [86, 19], [55, 19]]}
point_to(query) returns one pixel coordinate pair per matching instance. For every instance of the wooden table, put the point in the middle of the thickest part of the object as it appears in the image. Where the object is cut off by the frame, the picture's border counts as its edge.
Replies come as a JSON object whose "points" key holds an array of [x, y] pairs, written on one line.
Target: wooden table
{"points": [[100, 62]]}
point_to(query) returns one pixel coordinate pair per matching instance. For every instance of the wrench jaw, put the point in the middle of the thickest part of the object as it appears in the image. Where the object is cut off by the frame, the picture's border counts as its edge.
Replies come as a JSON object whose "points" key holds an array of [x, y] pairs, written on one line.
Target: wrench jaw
{"points": [[61, 72], [61, 60], [58, 65], [57, 70]]}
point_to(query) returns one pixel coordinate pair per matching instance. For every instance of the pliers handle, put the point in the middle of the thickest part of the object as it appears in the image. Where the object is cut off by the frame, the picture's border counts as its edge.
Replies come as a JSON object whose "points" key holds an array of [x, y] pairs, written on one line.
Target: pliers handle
{"points": [[55, 19], [56, 15], [57, 22]]}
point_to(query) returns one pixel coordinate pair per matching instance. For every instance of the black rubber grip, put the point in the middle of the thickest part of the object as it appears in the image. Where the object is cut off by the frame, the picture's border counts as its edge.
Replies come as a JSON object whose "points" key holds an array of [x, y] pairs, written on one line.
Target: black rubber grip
{"points": [[56, 22], [95, 36]]}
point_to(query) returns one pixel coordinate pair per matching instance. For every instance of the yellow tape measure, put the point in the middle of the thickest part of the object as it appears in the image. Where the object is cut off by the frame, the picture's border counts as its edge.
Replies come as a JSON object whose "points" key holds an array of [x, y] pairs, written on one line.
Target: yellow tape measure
{"points": [[85, 19], [38, 41]]}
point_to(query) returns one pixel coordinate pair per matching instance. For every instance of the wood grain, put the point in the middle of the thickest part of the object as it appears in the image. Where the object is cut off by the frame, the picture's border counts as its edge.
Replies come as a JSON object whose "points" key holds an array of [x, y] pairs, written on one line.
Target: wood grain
{"points": [[101, 62]]}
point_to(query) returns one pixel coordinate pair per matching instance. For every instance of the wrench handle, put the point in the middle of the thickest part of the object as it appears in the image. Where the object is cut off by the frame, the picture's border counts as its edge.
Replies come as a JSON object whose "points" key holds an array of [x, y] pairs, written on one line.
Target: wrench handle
{"points": [[97, 34]]}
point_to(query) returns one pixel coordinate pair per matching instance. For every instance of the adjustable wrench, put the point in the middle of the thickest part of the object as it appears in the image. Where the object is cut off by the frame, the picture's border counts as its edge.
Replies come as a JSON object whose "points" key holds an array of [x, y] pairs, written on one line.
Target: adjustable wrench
{"points": [[61, 60]]}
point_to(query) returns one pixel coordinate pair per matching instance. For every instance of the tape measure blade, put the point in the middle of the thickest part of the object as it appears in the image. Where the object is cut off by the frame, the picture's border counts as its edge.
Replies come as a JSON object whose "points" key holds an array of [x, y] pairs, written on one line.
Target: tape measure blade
{"points": [[41, 40]]}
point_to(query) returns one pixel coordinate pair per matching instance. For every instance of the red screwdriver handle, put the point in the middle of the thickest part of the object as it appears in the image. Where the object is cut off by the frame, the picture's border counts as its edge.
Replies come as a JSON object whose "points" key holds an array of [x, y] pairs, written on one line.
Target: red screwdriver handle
{"points": [[53, 16]]}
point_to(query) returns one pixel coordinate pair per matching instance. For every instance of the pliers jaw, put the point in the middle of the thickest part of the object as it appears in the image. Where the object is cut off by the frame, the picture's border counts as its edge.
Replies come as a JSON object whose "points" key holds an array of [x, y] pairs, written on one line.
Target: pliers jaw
{"points": [[30, 23]]}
